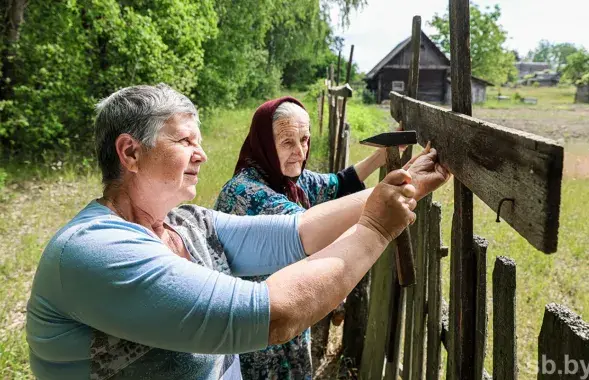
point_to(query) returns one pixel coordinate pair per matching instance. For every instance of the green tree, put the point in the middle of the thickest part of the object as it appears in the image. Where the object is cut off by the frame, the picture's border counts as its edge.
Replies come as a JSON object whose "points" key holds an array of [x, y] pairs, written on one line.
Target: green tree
{"points": [[577, 68], [554, 53], [490, 59]]}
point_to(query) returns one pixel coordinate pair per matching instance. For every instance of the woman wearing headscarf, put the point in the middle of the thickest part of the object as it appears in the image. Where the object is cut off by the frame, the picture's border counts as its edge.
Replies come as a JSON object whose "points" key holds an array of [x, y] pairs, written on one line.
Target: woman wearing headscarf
{"points": [[270, 178]]}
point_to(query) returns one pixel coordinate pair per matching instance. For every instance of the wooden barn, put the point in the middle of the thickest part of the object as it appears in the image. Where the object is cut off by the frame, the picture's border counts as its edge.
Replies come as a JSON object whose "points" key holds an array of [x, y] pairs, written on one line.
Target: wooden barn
{"points": [[392, 73]]}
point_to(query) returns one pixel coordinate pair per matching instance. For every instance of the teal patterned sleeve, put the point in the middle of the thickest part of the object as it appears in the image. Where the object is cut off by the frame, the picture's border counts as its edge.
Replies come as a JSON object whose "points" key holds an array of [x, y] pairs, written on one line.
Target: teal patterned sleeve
{"points": [[319, 187], [244, 195]]}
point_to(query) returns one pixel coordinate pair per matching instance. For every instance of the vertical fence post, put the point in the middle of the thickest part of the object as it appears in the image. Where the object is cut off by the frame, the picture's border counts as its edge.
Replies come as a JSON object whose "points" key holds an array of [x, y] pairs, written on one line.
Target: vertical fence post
{"points": [[504, 320], [340, 129], [420, 288], [563, 345], [480, 246], [434, 295], [332, 103], [463, 260]]}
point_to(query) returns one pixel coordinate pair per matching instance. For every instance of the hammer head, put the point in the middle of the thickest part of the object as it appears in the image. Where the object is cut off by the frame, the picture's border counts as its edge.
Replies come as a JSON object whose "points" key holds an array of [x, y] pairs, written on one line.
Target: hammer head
{"points": [[387, 139]]}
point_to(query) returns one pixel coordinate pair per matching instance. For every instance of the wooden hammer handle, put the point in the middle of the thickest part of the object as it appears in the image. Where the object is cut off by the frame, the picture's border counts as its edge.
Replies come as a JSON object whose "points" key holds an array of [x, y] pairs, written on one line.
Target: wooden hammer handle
{"points": [[404, 259], [404, 251]]}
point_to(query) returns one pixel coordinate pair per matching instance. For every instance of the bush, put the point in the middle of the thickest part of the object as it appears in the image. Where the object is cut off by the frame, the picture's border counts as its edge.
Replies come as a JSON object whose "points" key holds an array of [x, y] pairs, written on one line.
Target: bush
{"points": [[368, 96]]}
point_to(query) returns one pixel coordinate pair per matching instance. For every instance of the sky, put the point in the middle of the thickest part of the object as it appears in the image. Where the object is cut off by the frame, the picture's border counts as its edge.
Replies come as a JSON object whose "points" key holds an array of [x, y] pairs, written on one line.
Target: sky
{"points": [[382, 24]]}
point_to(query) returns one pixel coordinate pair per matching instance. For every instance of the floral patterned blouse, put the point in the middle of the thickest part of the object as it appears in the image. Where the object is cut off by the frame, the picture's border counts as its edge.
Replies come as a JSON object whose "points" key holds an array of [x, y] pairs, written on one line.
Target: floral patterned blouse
{"points": [[247, 193]]}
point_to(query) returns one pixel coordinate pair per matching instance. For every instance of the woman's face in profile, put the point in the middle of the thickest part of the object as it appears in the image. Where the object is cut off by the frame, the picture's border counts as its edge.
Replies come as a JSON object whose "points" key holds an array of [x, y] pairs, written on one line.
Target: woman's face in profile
{"points": [[291, 138]]}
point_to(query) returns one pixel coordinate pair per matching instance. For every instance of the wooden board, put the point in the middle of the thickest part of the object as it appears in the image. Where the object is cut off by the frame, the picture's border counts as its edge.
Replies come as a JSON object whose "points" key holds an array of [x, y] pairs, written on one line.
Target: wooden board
{"points": [[495, 162], [504, 320]]}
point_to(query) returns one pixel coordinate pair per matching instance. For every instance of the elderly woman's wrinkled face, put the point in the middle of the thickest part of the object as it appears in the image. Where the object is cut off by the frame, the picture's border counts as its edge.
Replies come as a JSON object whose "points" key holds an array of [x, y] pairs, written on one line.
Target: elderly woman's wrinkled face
{"points": [[171, 167], [291, 137]]}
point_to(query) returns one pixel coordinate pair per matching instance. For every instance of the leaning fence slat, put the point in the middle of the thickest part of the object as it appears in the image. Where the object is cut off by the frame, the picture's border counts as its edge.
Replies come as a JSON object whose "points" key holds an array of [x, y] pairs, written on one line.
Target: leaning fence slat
{"points": [[563, 345], [480, 246], [504, 320], [420, 288], [434, 295]]}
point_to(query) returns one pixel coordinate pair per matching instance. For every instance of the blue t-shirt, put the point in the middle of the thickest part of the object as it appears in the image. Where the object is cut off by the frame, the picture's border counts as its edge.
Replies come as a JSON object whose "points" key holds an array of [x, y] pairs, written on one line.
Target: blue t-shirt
{"points": [[111, 301]]}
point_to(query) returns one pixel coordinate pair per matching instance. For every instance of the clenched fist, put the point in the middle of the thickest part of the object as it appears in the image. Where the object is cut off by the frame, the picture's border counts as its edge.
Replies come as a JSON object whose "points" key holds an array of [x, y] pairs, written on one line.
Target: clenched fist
{"points": [[389, 209]]}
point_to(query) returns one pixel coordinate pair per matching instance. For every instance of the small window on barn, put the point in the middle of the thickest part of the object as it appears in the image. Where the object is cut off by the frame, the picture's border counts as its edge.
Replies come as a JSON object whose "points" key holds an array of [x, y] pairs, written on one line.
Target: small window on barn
{"points": [[398, 86]]}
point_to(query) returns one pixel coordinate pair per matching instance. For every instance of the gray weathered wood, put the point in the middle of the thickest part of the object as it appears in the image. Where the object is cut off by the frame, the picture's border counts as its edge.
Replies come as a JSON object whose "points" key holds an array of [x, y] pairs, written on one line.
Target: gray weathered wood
{"points": [[343, 91], [397, 309], [339, 63], [342, 119], [321, 107], [444, 337], [412, 83], [564, 340], [420, 293], [331, 123], [480, 246], [356, 321], [504, 320], [462, 288], [409, 314], [382, 274], [463, 259], [434, 295], [495, 162]]}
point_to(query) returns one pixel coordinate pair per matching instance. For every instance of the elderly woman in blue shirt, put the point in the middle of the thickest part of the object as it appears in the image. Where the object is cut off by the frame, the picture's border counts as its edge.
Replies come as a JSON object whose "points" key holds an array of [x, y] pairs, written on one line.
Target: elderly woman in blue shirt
{"points": [[270, 179], [137, 287]]}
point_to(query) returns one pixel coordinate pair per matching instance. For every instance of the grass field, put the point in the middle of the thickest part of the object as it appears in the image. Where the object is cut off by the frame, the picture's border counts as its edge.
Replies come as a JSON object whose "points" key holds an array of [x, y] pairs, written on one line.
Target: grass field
{"points": [[35, 201]]}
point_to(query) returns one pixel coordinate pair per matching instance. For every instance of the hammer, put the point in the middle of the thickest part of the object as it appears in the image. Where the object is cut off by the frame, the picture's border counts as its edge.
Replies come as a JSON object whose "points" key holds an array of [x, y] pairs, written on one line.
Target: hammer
{"points": [[404, 252]]}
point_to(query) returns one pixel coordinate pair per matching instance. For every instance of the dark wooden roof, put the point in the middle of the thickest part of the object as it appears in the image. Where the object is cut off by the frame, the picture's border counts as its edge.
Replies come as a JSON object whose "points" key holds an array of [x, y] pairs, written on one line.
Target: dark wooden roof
{"points": [[425, 40]]}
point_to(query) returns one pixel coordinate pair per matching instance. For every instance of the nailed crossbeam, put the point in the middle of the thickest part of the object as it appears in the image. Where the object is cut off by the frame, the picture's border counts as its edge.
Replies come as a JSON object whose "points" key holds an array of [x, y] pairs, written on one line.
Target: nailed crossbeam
{"points": [[344, 91], [496, 163]]}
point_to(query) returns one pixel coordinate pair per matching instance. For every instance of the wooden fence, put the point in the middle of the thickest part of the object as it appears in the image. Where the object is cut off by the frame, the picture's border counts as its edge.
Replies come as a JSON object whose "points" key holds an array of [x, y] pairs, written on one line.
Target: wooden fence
{"points": [[518, 175]]}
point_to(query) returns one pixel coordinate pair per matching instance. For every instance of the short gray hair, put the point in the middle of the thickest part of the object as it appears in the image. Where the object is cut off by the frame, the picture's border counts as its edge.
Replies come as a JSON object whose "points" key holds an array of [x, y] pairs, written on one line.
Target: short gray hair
{"points": [[140, 111], [287, 110]]}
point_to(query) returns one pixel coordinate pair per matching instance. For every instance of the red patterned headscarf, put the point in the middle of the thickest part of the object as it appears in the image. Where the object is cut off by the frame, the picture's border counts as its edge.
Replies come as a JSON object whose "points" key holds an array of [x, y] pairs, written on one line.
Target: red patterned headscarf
{"points": [[259, 151]]}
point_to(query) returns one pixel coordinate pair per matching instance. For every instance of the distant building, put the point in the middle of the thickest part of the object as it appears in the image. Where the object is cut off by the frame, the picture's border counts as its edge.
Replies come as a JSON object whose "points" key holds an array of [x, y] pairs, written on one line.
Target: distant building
{"points": [[527, 68], [392, 73], [544, 78]]}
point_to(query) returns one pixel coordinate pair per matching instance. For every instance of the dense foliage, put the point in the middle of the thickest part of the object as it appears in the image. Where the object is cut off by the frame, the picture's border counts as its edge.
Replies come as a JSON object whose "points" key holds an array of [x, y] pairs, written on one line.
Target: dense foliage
{"points": [[60, 57], [491, 60]]}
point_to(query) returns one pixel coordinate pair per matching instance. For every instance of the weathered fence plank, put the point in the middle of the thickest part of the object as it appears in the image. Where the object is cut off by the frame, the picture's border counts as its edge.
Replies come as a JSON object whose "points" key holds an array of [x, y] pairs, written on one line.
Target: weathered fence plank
{"points": [[382, 275], [331, 121], [409, 313], [480, 246], [343, 91], [563, 345], [463, 259], [420, 288], [412, 83], [434, 295], [496, 163], [397, 309], [504, 320], [342, 120], [357, 312]]}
